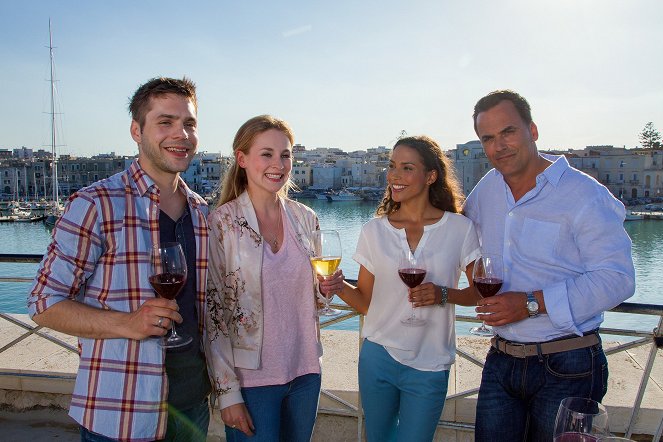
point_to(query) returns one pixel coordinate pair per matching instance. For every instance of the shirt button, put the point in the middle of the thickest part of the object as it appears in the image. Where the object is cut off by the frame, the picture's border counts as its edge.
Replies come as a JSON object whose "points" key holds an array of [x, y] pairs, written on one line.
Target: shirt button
{"points": [[510, 213]]}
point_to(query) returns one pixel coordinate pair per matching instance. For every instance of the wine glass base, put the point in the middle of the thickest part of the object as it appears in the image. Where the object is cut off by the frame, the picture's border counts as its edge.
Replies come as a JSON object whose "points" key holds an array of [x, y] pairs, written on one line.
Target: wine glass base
{"points": [[328, 311], [482, 331], [175, 341], [413, 322]]}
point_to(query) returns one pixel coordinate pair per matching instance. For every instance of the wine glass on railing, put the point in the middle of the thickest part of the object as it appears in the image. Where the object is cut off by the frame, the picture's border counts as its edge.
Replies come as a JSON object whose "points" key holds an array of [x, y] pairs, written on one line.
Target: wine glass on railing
{"points": [[326, 245], [412, 271], [580, 420], [168, 276], [487, 276]]}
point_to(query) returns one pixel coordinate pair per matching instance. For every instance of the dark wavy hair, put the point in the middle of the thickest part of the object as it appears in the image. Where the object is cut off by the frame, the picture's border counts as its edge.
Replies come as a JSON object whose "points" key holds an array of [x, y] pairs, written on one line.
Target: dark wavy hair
{"points": [[445, 193]]}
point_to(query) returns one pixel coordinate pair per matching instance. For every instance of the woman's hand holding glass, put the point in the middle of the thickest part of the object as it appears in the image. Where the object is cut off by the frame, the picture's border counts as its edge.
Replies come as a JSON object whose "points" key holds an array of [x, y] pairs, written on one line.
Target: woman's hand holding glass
{"points": [[326, 256], [425, 294], [331, 285]]}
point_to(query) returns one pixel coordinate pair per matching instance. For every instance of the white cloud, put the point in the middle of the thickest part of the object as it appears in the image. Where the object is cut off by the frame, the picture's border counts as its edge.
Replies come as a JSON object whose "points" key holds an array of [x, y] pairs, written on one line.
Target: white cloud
{"points": [[297, 31]]}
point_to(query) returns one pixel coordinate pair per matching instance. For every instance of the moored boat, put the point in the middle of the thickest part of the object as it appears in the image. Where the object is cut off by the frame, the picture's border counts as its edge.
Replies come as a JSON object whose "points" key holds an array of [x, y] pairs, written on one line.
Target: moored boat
{"points": [[631, 216], [345, 195]]}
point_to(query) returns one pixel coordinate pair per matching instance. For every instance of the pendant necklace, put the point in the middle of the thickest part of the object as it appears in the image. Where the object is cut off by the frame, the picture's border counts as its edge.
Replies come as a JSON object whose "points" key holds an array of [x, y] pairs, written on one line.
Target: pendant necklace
{"points": [[274, 242]]}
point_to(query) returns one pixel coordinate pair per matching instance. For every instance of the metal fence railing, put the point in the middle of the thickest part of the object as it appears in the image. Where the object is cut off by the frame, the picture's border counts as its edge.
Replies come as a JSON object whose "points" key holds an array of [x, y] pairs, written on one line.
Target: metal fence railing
{"points": [[652, 339]]}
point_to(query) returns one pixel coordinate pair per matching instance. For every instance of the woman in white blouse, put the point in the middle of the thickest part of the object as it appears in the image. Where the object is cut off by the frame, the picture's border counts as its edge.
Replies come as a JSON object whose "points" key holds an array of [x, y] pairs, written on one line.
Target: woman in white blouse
{"points": [[404, 371]]}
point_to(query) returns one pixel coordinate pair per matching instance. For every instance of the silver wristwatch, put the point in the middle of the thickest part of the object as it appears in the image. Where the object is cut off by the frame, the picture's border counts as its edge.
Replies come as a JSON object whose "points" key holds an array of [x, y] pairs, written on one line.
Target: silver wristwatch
{"points": [[532, 305]]}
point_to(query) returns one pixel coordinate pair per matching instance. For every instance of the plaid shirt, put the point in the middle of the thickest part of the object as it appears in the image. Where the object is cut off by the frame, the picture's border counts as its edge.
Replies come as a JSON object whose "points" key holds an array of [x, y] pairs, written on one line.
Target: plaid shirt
{"points": [[100, 256]]}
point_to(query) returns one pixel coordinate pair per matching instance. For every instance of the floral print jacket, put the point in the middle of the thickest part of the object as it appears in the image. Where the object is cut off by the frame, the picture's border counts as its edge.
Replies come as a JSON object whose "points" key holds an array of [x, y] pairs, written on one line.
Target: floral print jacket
{"points": [[234, 300]]}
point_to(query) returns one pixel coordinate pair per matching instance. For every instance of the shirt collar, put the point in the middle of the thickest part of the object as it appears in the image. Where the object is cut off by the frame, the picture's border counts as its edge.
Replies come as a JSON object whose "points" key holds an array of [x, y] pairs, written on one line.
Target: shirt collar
{"points": [[144, 183], [553, 173]]}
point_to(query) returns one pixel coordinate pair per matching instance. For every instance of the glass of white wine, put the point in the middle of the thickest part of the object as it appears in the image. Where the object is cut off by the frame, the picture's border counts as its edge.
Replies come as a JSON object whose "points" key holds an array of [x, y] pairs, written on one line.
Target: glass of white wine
{"points": [[326, 245]]}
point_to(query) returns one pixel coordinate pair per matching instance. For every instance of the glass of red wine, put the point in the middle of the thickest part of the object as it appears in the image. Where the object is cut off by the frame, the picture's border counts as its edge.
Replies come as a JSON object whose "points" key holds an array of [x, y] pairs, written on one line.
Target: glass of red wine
{"points": [[412, 272], [487, 276], [167, 279], [580, 420]]}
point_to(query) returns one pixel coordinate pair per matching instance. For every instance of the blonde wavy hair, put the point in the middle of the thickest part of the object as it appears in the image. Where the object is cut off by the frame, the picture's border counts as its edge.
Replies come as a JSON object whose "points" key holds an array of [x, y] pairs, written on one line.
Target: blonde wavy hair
{"points": [[234, 180]]}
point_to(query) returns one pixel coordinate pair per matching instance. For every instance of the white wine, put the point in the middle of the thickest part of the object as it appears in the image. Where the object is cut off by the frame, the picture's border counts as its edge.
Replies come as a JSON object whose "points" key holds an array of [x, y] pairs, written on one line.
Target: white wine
{"points": [[327, 265]]}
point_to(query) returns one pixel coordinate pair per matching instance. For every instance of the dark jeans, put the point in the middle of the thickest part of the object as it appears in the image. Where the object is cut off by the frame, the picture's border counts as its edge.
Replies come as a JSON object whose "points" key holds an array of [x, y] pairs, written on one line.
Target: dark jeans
{"points": [[283, 413], [519, 398], [188, 425]]}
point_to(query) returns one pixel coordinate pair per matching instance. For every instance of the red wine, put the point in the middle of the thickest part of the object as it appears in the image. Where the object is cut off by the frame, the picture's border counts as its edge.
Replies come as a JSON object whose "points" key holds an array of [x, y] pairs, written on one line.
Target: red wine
{"points": [[412, 277], [488, 286], [167, 285], [576, 437]]}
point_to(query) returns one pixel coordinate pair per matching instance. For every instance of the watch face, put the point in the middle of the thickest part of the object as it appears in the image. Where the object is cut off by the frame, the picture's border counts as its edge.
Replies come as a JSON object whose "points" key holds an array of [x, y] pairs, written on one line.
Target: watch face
{"points": [[533, 306]]}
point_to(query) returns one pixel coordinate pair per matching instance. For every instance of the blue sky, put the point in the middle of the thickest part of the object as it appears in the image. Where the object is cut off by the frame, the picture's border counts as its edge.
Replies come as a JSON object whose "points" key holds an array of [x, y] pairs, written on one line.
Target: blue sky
{"points": [[348, 74]]}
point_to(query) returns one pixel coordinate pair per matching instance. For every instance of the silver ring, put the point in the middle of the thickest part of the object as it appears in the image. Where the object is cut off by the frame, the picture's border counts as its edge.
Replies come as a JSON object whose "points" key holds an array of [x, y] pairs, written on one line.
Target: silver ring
{"points": [[160, 322]]}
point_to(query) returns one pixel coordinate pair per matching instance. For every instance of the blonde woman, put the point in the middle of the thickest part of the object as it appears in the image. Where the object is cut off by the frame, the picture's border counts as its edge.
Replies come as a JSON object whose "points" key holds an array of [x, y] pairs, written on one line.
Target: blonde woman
{"points": [[263, 341]]}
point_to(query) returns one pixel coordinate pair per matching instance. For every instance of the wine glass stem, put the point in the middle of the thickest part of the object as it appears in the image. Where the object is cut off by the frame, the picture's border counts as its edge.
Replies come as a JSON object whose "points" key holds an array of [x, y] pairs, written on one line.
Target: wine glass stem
{"points": [[173, 333]]}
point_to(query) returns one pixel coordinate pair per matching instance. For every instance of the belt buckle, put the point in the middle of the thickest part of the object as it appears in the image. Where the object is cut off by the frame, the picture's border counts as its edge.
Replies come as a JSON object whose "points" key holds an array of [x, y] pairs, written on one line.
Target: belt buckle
{"points": [[518, 347]]}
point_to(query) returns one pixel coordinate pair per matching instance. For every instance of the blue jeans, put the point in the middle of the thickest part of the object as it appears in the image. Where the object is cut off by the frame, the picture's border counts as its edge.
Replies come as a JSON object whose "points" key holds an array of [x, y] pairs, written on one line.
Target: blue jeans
{"points": [[519, 397], [188, 425], [400, 403], [281, 412]]}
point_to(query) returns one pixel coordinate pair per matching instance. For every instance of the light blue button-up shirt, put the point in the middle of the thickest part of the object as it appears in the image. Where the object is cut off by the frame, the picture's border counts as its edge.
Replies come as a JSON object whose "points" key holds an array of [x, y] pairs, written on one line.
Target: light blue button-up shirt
{"points": [[565, 237]]}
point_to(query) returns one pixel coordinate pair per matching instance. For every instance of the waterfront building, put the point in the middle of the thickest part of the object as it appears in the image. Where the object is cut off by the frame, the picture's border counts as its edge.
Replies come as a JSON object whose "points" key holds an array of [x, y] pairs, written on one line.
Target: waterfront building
{"points": [[471, 164], [326, 176], [23, 179], [302, 174], [368, 174], [77, 172], [212, 169], [627, 173]]}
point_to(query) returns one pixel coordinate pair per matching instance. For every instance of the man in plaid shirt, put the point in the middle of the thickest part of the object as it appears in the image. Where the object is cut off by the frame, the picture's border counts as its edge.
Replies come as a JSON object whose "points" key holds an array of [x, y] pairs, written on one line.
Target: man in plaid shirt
{"points": [[93, 282]]}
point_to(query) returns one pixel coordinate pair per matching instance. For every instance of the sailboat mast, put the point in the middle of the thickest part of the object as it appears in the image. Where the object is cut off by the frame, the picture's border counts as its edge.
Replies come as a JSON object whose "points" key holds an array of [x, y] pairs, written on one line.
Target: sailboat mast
{"points": [[54, 172]]}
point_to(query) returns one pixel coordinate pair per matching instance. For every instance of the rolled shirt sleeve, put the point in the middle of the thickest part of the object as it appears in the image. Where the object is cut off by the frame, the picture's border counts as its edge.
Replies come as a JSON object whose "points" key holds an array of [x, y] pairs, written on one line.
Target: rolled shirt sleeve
{"points": [[70, 258], [605, 250]]}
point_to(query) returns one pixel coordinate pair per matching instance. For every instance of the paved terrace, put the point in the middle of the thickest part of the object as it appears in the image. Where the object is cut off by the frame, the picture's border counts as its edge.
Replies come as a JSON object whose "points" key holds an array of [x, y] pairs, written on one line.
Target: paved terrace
{"points": [[36, 380]]}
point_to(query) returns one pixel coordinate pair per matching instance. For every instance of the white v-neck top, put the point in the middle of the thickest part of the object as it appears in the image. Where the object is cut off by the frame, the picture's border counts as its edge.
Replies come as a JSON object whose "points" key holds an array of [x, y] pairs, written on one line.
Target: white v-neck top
{"points": [[447, 247]]}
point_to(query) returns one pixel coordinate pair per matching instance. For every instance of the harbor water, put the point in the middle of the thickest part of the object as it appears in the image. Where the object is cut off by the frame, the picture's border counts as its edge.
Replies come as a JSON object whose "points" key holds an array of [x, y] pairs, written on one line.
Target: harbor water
{"points": [[347, 218]]}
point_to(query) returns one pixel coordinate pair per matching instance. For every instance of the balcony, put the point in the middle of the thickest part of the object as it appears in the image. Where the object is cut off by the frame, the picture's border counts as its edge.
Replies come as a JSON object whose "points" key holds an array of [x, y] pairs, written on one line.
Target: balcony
{"points": [[38, 365]]}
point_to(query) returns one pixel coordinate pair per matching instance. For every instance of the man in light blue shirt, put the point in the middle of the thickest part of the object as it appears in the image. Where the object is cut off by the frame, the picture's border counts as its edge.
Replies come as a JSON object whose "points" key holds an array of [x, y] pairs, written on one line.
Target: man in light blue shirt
{"points": [[567, 259]]}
